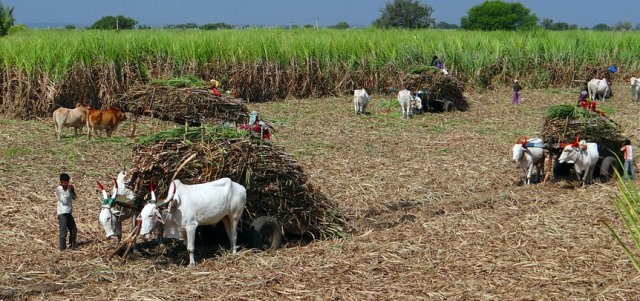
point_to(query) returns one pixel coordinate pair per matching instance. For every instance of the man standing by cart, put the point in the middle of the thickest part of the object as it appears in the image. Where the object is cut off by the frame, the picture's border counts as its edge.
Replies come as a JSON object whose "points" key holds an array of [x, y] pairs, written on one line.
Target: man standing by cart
{"points": [[629, 164]]}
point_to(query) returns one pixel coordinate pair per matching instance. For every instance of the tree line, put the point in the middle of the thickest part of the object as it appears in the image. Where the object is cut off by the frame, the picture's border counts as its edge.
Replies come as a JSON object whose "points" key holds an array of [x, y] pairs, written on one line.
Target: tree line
{"points": [[411, 14]]}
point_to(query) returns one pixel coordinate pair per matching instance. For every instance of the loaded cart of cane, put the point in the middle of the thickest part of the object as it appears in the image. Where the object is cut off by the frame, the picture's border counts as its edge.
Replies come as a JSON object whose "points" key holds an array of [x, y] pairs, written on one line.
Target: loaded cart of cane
{"points": [[281, 206], [568, 125]]}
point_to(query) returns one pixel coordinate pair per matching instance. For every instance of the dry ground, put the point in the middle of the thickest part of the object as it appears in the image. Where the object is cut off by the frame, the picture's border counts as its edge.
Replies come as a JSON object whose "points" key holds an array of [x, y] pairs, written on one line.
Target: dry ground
{"points": [[433, 206]]}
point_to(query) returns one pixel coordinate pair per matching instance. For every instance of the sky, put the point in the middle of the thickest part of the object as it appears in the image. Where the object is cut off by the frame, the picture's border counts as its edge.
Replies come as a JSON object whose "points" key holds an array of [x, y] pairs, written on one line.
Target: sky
{"points": [[357, 13]]}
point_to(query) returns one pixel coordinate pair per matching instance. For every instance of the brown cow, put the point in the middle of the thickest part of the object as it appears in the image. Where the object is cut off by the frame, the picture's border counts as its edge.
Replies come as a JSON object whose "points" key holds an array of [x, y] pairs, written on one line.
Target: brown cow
{"points": [[106, 120], [75, 118]]}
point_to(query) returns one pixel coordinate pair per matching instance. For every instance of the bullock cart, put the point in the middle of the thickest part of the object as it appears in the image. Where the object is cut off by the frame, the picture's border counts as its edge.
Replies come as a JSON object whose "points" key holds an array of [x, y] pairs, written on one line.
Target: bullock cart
{"points": [[431, 104], [564, 124], [438, 92], [280, 206]]}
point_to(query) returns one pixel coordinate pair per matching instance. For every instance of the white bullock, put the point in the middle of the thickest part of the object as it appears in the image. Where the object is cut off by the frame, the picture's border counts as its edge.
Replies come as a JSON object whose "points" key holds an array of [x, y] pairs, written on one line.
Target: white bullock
{"points": [[405, 98], [598, 87], [527, 155], [635, 88], [74, 118], [110, 218], [200, 204], [360, 100], [584, 155]]}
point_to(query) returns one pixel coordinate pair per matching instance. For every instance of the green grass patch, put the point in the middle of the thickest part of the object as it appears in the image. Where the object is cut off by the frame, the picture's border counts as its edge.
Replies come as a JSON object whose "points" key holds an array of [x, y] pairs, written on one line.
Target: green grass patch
{"points": [[13, 152]]}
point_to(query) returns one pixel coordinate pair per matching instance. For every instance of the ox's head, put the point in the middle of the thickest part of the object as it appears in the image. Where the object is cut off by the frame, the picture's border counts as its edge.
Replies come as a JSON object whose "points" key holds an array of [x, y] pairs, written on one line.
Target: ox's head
{"points": [[571, 151], [118, 112], [108, 216], [518, 149], [416, 102], [150, 215]]}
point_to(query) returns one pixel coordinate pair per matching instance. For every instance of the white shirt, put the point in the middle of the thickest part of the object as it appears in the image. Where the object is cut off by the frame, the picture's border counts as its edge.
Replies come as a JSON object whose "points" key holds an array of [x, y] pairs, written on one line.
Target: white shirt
{"points": [[65, 200]]}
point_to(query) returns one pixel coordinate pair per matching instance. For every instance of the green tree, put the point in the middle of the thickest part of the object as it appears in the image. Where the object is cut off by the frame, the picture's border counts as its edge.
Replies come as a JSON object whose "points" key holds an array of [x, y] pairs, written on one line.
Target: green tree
{"points": [[117, 22], [445, 25], [214, 26], [70, 26], [405, 14], [601, 27], [182, 26], [340, 25], [623, 26], [546, 23], [6, 19], [499, 15]]}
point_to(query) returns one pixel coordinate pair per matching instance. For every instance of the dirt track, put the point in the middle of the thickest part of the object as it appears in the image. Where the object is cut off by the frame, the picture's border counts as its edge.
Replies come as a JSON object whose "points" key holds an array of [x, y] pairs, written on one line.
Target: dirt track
{"points": [[433, 207]]}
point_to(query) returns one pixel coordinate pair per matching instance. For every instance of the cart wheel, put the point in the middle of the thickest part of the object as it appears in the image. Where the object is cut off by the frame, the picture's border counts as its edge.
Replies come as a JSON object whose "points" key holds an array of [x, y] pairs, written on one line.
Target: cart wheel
{"points": [[447, 106], [265, 234], [607, 168]]}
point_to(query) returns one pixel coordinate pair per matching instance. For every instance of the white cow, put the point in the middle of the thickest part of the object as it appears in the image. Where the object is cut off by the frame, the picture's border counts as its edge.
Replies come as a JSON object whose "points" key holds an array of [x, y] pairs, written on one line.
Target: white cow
{"points": [[110, 218], [598, 87], [584, 155], [405, 98], [527, 155], [200, 204], [360, 100], [75, 118], [635, 88]]}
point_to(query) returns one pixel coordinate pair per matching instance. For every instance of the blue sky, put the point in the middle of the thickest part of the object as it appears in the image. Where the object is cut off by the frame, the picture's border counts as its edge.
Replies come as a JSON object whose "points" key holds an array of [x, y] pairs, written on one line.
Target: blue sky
{"points": [[585, 13]]}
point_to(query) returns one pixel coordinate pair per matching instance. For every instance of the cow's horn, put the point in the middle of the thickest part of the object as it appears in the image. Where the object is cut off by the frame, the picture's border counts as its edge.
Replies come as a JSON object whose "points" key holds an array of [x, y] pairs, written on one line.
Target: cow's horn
{"points": [[150, 185], [100, 185], [115, 183], [174, 188]]}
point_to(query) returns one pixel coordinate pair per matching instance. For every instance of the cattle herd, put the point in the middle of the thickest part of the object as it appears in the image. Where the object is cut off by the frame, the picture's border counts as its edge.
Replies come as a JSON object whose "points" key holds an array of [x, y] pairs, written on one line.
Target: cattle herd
{"points": [[94, 119]]}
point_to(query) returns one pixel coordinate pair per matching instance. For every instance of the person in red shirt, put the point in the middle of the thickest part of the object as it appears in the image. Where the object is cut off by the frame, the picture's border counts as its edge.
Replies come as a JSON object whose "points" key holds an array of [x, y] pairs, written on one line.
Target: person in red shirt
{"points": [[214, 87], [257, 126], [629, 162]]}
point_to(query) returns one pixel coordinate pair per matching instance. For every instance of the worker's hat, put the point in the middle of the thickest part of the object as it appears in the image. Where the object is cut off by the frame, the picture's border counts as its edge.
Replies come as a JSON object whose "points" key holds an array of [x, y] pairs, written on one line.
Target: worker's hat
{"points": [[215, 83]]}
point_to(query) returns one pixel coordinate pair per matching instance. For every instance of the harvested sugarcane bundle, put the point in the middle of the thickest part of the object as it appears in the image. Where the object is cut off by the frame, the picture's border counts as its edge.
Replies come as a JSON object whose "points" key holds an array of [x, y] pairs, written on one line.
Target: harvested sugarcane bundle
{"points": [[563, 123], [194, 106], [441, 86], [276, 185]]}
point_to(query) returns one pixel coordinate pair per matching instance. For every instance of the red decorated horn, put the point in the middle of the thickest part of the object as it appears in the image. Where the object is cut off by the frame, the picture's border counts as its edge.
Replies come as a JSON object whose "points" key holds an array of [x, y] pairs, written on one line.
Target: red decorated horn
{"points": [[150, 186], [174, 188], [521, 139], [100, 185], [575, 142], [115, 183]]}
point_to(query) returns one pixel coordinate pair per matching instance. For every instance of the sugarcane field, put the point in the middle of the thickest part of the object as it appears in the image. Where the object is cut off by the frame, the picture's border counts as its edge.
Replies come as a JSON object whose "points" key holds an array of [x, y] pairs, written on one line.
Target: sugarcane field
{"points": [[294, 180]]}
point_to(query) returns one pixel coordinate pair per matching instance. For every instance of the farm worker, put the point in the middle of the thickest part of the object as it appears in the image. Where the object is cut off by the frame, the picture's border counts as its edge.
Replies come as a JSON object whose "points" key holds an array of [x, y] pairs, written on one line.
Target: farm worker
{"points": [[257, 126], [65, 194], [517, 96], [629, 162], [214, 87]]}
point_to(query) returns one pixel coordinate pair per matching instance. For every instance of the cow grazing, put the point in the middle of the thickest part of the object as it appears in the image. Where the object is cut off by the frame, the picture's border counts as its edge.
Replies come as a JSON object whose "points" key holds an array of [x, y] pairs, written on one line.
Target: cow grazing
{"points": [[75, 118], [110, 217], [360, 101], [528, 154], [405, 98], [584, 156], [598, 88], [635, 88], [200, 204], [106, 120]]}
